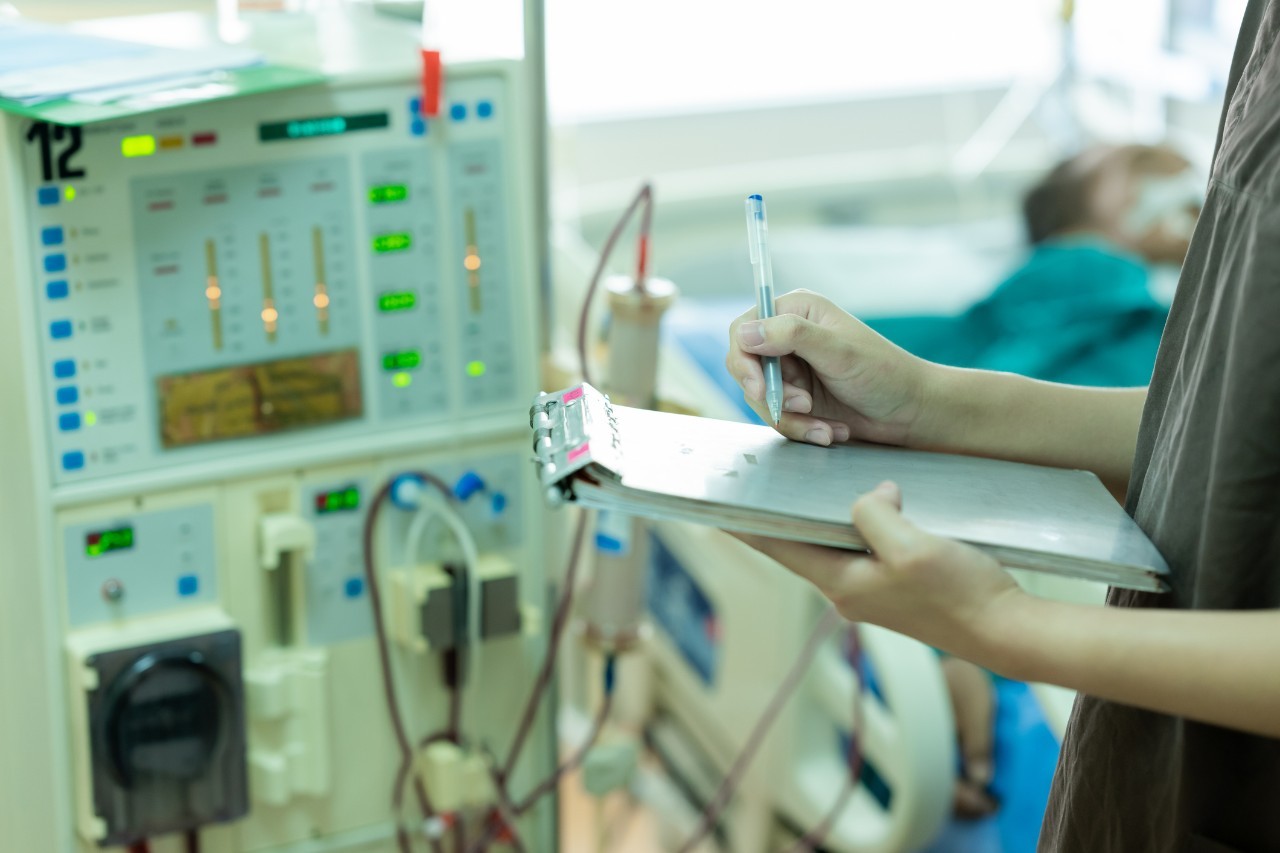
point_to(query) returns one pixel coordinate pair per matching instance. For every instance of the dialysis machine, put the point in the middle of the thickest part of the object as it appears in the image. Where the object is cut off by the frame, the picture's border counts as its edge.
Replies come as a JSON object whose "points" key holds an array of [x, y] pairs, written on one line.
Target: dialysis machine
{"points": [[225, 329]]}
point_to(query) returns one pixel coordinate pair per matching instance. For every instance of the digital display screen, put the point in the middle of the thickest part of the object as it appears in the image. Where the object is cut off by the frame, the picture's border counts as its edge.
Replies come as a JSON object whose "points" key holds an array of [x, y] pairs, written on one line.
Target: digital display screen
{"points": [[338, 500], [397, 300], [316, 126], [403, 360], [102, 542], [387, 193], [397, 242]]}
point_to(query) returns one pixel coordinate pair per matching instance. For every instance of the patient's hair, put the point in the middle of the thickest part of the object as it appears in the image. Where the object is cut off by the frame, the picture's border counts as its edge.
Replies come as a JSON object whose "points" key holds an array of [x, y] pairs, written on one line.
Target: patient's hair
{"points": [[1079, 194], [1060, 201]]}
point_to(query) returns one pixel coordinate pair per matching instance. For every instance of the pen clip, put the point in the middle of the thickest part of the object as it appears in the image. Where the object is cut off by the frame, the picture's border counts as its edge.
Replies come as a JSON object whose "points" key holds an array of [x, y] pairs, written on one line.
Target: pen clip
{"points": [[755, 225]]}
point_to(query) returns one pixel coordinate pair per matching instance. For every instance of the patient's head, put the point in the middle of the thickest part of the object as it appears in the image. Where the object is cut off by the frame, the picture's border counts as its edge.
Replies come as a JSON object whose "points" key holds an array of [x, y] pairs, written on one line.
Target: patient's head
{"points": [[1143, 198]]}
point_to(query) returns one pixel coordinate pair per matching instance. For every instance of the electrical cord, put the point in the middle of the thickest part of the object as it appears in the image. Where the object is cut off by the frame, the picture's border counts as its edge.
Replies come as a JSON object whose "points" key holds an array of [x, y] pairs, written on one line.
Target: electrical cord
{"points": [[558, 624], [573, 762], [388, 681], [142, 845], [829, 622], [645, 196], [192, 840], [438, 505], [816, 835]]}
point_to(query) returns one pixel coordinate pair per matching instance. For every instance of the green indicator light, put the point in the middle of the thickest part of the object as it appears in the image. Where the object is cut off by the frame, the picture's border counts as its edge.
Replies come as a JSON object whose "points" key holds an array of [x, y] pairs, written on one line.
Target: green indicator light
{"points": [[90, 418], [398, 242], [476, 368], [388, 193], [339, 500], [399, 300], [105, 541], [138, 146], [403, 360], [402, 380], [70, 193]]}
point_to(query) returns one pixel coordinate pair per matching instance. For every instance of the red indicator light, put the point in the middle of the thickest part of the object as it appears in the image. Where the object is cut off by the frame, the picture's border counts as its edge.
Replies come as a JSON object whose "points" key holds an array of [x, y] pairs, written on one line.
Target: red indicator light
{"points": [[204, 137]]}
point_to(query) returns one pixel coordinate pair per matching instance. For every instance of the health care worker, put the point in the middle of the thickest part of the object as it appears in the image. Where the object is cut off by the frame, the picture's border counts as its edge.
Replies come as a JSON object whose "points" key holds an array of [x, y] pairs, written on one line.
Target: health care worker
{"points": [[1174, 742]]}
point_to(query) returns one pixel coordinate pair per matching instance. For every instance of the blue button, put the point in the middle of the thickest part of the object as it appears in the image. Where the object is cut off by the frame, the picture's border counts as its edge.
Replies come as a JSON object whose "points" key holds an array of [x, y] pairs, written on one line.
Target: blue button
{"points": [[418, 127], [415, 106], [57, 289], [484, 109], [64, 368], [353, 587], [458, 112], [46, 196], [52, 236], [67, 395], [72, 461], [188, 585], [498, 503], [55, 263], [69, 422], [60, 329]]}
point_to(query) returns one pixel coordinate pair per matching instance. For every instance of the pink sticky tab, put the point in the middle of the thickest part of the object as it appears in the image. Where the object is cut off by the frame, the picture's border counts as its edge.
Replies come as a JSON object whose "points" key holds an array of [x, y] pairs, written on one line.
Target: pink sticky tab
{"points": [[578, 452], [570, 396]]}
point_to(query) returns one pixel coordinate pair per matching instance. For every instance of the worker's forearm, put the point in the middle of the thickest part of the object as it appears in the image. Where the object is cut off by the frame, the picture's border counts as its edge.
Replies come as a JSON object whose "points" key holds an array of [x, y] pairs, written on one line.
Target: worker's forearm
{"points": [[1216, 667], [1005, 416]]}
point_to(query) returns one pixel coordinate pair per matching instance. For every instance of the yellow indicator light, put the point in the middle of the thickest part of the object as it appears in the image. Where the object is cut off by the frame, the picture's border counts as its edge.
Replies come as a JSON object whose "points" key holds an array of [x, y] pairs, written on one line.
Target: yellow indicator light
{"points": [[70, 193], [476, 368], [168, 143], [138, 146], [471, 262], [402, 380], [321, 300], [270, 315], [213, 293], [90, 418]]}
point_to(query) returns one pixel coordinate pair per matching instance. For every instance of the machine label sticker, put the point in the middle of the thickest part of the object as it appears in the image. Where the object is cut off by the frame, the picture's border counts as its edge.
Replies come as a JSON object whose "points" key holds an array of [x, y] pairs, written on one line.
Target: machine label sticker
{"points": [[258, 399]]}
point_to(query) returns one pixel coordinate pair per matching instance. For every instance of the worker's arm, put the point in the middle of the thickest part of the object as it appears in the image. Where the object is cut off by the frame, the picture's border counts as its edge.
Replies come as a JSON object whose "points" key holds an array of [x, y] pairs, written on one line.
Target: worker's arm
{"points": [[1003, 415], [842, 380], [1215, 667]]}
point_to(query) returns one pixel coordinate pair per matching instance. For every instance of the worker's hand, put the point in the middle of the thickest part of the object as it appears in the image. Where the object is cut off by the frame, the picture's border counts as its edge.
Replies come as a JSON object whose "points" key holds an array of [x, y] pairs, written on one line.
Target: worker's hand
{"points": [[941, 592], [840, 379]]}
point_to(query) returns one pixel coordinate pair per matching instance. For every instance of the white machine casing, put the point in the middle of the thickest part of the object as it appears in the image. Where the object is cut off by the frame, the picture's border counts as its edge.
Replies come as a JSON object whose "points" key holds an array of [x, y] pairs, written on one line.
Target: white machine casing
{"points": [[244, 532]]}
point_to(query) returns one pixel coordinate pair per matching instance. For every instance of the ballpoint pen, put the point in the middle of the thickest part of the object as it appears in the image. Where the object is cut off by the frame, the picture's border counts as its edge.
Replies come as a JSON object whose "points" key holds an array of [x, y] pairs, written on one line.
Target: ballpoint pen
{"points": [[758, 249]]}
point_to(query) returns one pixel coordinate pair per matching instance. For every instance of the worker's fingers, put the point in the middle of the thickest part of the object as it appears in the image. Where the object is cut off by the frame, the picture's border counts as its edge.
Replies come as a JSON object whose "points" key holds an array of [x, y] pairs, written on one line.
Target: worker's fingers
{"points": [[788, 334], [878, 517], [811, 429], [828, 569]]}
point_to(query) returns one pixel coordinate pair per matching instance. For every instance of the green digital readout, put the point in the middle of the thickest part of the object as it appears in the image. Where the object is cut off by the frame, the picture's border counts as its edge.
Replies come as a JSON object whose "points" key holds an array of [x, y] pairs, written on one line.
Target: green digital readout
{"points": [[338, 500], [397, 300], [403, 360], [387, 193], [105, 541], [397, 242], [310, 128]]}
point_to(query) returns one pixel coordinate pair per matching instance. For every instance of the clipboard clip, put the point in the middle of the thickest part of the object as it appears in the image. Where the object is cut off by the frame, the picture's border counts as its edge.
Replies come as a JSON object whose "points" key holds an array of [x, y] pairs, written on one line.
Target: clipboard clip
{"points": [[573, 429]]}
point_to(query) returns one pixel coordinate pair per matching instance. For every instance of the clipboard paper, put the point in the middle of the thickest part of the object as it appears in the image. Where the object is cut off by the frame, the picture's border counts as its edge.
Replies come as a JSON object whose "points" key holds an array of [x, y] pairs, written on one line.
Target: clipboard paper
{"points": [[748, 478]]}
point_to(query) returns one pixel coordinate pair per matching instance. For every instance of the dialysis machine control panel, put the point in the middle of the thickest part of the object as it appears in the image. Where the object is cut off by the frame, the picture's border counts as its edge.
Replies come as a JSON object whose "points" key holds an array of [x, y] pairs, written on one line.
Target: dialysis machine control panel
{"points": [[329, 259], [239, 323]]}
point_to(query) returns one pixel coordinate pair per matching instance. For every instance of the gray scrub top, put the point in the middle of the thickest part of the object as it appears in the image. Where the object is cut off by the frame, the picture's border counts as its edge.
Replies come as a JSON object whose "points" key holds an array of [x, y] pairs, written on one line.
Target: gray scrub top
{"points": [[1206, 488]]}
